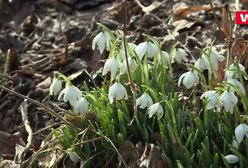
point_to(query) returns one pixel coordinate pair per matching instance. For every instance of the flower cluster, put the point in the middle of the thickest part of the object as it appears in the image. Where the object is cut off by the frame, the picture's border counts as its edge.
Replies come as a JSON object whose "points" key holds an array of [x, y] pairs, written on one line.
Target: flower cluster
{"points": [[69, 94]]}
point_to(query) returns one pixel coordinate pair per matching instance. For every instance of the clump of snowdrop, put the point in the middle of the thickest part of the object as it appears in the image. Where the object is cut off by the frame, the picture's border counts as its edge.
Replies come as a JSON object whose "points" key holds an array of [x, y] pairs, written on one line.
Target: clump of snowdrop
{"points": [[55, 87], [212, 97], [179, 55], [81, 105], [231, 159], [112, 65], [146, 48], [102, 41], [117, 91], [70, 93], [144, 101], [156, 109], [240, 132], [189, 79]]}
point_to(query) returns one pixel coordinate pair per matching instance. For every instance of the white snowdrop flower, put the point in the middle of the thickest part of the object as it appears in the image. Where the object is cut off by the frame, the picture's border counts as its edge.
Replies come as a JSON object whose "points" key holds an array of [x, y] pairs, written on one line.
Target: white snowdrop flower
{"points": [[163, 58], [236, 85], [144, 101], [189, 79], [214, 57], [132, 65], [202, 64], [229, 100], [232, 71], [232, 159], [179, 55], [117, 91], [156, 109], [112, 65], [146, 48], [70, 93], [55, 87], [240, 131], [212, 98], [81, 105], [101, 41], [235, 144]]}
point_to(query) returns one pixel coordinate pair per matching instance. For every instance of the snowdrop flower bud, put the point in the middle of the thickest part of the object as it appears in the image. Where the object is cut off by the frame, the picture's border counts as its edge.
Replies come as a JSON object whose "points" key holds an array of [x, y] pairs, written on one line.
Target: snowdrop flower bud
{"points": [[81, 105], [202, 64], [117, 91], [240, 131], [212, 98], [229, 100], [132, 65], [156, 109], [189, 79], [112, 65], [70, 93], [232, 159], [232, 71], [146, 48], [163, 58], [101, 41], [236, 85], [144, 101], [55, 87], [214, 58], [179, 55]]}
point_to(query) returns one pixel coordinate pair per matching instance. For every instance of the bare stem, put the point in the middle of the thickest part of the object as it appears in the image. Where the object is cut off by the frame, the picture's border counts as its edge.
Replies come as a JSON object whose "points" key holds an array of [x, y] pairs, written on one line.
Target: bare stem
{"points": [[46, 108], [127, 63]]}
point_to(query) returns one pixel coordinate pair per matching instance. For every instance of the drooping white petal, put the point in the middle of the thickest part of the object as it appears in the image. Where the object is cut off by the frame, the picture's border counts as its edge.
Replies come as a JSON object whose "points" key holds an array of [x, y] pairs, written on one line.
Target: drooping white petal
{"points": [[179, 55], [71, 94], [95, 40], [163, 58], [117, 91], [112, 65], [212, 98], [55, 87], [144, 101], [202, 64], [232, 159], [233, 69], [189, 79], [141, 49], [229, 100], [132, 65], [101, 41], [240, 131], [236, 84], [155, 109], [151, 50], [81, 105]]}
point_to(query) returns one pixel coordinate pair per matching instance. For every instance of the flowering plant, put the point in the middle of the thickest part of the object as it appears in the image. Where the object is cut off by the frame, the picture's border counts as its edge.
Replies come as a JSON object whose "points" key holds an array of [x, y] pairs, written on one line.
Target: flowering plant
{"points": [[144, 98]]}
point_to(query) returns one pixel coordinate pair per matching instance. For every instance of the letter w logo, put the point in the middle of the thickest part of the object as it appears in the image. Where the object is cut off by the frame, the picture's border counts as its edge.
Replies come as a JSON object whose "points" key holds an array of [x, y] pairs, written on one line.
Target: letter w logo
{"points": [[242, 17]]}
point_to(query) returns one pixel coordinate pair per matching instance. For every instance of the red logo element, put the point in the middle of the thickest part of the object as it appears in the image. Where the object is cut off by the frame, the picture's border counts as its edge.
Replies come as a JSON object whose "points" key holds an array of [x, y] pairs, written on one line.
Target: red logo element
{"points": [[242, 17]]}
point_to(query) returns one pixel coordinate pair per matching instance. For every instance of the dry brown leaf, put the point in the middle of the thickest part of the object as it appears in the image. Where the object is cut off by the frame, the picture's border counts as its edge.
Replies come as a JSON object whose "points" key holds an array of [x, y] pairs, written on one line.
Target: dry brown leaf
{"points": [[186, 11], [129, 154], [240, 50], [225, 22], [151, 7], [151, 157], [182, 24], [8, 142]]}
